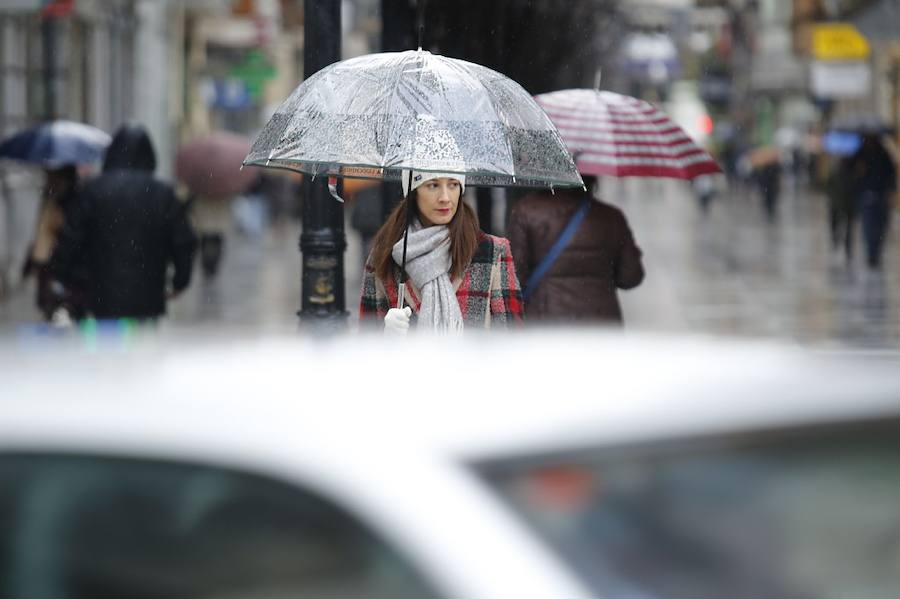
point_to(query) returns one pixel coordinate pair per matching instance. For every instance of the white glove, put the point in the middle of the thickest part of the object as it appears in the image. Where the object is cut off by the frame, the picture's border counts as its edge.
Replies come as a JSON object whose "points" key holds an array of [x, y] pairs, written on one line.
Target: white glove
{"points": [[396, 321]]}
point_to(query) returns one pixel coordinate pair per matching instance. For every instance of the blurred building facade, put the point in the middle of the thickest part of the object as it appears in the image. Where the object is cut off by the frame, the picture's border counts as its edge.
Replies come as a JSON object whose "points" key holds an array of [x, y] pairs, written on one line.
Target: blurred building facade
{"points": [[182, 68], [178, 67], [771, 57], [163, 63], [79, 61], [652, 52]]}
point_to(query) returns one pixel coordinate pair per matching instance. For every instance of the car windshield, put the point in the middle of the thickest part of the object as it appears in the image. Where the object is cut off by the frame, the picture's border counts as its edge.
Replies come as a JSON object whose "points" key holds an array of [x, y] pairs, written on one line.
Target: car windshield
{"points": [[786, 516], [100, 528]]}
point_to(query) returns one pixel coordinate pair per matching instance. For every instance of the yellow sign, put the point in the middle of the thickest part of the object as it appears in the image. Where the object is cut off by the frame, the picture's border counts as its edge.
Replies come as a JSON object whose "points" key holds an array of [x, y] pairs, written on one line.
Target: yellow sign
{"points": [[839, 41]]}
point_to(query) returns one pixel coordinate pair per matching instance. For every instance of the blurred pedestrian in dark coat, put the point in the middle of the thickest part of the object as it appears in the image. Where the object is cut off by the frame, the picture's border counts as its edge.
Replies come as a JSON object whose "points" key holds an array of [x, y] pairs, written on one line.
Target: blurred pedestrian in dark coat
{"points": [[57, 204], [875, 178], [601, 257], [127, 228], [841, 205], [768, 178]]}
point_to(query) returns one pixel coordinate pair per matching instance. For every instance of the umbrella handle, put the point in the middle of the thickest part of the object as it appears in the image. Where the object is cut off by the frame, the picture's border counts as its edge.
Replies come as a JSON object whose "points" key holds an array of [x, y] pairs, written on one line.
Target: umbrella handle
{"points": [[401, 291], [333, 190]]}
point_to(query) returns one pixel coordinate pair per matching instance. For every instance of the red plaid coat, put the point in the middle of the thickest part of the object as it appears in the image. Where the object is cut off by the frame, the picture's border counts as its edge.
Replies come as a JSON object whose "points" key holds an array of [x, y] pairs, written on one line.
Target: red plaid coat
{"points": [[488, 293]]}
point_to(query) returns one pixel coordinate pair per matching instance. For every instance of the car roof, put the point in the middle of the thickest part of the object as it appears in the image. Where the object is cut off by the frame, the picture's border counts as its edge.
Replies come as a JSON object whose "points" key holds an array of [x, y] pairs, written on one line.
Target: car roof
{"points": [[477, 398]]}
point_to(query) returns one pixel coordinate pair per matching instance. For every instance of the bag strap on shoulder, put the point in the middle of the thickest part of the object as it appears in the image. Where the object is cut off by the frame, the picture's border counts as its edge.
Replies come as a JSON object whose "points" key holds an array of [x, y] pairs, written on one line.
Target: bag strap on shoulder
{"points": [[564, 238]]}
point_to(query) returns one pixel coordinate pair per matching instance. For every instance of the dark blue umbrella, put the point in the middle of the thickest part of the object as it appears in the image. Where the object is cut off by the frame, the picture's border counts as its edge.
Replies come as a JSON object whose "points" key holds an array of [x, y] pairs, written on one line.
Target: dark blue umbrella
{"points": [[56, 143], [841, 143]]}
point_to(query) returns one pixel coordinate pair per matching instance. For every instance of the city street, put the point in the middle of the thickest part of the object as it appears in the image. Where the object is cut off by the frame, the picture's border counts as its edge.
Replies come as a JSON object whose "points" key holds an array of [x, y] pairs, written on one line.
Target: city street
{"points": [[698, 399], [728, 272]]}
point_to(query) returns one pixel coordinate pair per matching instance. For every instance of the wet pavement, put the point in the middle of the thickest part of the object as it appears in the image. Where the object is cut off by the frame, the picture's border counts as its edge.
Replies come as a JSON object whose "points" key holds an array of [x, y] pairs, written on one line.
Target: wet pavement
{"points": [[732, 272], [727, 272]]}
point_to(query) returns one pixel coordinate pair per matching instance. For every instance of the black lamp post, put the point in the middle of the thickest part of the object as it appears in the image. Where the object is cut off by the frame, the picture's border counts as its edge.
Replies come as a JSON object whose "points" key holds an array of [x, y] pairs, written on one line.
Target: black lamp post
{"points": [[322, 241], [49, 29], [398, 33]]}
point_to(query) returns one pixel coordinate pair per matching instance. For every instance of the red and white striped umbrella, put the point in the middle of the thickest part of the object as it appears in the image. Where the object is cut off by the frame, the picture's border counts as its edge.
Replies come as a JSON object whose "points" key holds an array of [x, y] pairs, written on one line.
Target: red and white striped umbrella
{"points": [[620, 136]]}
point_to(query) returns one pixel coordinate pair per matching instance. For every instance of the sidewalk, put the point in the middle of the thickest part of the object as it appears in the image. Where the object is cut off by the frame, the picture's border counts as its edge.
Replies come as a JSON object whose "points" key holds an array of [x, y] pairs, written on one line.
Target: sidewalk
{"points": [[732, 273], [728, 273]]}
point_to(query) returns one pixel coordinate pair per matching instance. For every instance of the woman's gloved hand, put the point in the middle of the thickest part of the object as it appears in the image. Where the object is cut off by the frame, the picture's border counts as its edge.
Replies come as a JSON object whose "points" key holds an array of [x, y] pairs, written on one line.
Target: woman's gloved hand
{"points": [[396, 321]]}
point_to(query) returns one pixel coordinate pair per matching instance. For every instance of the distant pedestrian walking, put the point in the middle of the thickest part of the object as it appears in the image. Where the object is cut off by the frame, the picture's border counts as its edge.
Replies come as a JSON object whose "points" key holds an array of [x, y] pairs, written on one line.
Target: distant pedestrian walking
{"points": [[600, 257], [127, 228], [704, 191], [875, 178], [768, 178], [57, 203], [212, 217], [841, 206]]}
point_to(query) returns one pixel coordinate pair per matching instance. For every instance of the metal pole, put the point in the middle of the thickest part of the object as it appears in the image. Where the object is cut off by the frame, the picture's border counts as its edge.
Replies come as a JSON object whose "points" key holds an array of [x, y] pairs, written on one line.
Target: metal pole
{"points": [[397, 25], [894, 75], [398, 33], [322, 241], [48, 34], [484, 202]]}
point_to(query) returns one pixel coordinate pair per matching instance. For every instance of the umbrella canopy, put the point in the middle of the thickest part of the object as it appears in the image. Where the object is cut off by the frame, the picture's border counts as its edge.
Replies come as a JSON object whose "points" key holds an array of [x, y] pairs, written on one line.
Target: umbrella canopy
{"points": [[211, 165], [374, 116], [840, 143], [763, 156], [56, 143], [862, 123], [616, 135]]}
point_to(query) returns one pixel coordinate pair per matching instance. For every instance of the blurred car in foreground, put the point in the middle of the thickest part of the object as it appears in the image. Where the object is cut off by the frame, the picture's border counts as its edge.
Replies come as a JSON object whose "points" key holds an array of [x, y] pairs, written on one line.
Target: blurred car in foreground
{"points": [[556, 465]]}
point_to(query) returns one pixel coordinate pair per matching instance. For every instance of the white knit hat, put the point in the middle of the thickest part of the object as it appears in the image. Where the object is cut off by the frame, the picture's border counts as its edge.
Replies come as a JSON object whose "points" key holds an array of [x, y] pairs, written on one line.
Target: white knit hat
{"points": [[420, 177]]}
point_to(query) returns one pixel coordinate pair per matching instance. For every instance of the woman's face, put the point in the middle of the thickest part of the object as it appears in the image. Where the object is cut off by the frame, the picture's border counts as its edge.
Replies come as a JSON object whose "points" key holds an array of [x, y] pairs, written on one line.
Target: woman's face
{"points": [[437, 200]]}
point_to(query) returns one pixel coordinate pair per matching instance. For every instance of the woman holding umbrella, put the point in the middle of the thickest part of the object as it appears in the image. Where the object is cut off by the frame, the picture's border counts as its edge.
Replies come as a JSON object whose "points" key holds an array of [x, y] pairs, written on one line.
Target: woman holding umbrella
{"points": [[459, 276], [59, 147], [433, 123], [58, 200]]}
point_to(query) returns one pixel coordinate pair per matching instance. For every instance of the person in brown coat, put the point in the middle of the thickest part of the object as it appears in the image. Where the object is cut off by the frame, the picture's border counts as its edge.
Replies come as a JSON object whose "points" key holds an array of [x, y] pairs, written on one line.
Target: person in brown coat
{"points": [[601, 257]]}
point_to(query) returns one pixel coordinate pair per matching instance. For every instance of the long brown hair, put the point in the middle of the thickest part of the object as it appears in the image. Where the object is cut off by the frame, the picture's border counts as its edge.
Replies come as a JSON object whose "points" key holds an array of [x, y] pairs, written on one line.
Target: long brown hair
{"points": [[463, 238]]}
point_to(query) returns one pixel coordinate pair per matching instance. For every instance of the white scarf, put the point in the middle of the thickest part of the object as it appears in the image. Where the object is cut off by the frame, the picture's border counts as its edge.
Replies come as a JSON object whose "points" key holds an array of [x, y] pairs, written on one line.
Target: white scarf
{"points": [[428, 266]]}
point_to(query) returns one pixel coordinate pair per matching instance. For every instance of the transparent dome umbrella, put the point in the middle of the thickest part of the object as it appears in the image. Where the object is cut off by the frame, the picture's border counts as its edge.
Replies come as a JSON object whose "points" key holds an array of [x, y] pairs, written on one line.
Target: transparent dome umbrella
{"points": [[375, 115], [378, 115]]}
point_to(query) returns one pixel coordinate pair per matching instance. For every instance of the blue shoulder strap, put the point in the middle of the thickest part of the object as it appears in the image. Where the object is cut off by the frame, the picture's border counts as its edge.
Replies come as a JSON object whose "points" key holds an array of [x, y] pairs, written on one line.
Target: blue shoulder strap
{"points": [[564, 238]]}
